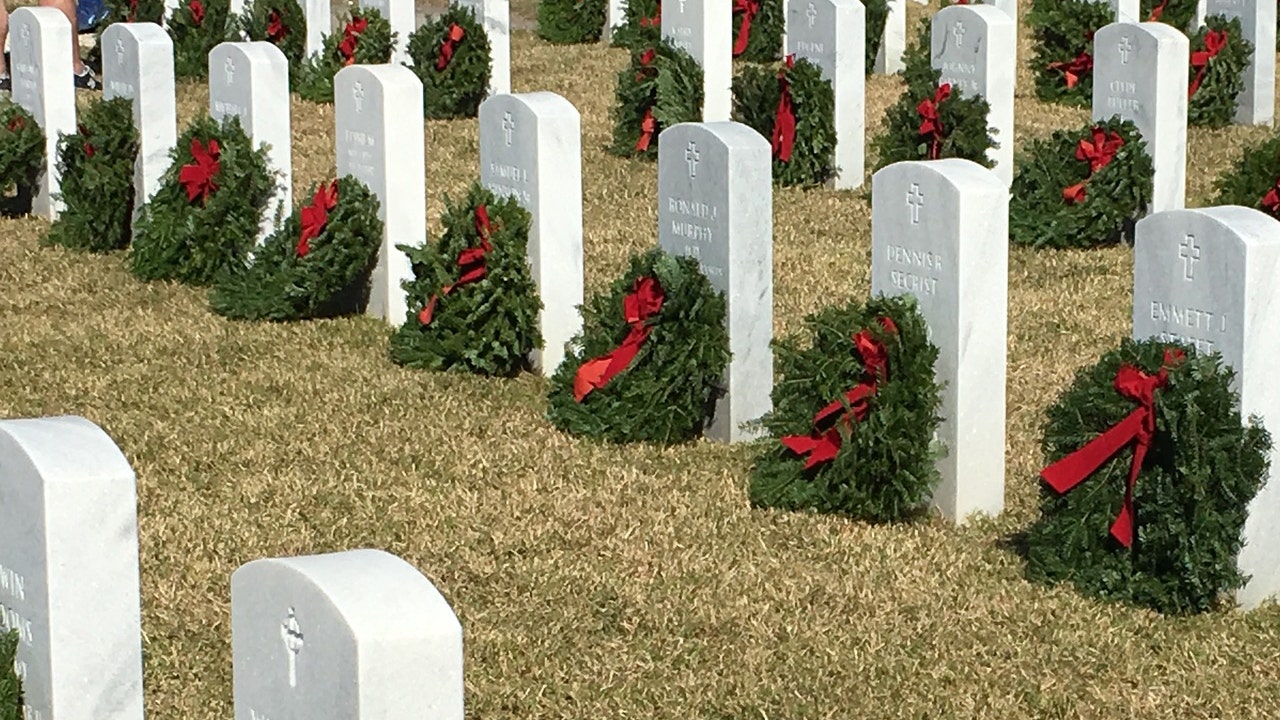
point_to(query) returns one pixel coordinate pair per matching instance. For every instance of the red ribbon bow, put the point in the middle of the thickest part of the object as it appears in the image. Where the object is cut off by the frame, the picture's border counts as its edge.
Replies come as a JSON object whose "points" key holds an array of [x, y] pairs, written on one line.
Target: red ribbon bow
{"points": [[17, 123], [199, 178], [655, 21], [930, 126], [350, 38], [1073, 70], [1271, 201], [784, 120], [1138, 427], [1098, 151], [197, 12], [646, 64], [450, 44], [276, 31], [471, 265], [748, 8], [648, 125], [1214, 42], [316, 216], [89, 150], [642, 304]]}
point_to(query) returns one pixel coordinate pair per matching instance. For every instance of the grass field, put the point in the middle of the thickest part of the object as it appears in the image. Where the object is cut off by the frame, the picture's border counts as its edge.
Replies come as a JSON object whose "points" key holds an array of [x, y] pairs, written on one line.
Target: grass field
{"points": [[596, 581]]}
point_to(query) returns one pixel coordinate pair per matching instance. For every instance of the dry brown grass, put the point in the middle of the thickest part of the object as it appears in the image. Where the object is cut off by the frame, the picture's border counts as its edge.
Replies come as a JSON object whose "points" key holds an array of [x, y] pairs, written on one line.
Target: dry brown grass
{"points": [[601, 582]]}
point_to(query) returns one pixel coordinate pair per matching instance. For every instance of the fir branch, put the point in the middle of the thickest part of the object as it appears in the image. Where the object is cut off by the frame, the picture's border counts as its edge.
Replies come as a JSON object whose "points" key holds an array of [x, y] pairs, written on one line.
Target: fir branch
{"points": [[568, 22], [669, 85], [96, 165], [22, 145]]}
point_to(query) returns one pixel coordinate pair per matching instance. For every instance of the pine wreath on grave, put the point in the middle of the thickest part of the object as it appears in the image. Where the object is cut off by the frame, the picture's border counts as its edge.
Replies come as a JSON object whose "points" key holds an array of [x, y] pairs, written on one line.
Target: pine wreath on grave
{"points": [[1081, 188], [1254, 180], [757, 30], [206, 212], [281, 23], [641, 27], [568, 22], [122, 11], [365, 39], [795, 108], [473, 304], [317, 264], [1148, 442], [96, 165], [197, 26], [22, 145], [1219, 56], [1062, 32], [876, 16], [855, 409], [661, 87], [932, 121], [1178, 13], [10, 683], [451, 56], [649, 363]]}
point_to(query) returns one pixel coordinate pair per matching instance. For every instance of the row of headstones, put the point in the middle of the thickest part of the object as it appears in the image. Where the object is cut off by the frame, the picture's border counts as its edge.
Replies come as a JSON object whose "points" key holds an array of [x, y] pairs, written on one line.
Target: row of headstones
{"points": [[357, 634]]}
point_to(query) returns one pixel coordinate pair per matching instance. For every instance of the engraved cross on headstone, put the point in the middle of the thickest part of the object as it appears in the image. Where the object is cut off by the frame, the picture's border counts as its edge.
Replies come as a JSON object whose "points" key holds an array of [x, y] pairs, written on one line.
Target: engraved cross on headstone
{"points": [[1190, 253], [957, 31], [812, 14], [507, 126], [682, 2], [915, 201], [230, 68], [119, 52], [357, 94], [692, 156], [291, 633], [1126, 47]]}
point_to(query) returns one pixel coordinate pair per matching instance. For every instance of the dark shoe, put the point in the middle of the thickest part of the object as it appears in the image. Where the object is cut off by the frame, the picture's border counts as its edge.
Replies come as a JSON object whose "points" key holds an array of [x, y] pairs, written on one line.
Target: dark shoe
{"points": [[86, 81], [6, 85]]}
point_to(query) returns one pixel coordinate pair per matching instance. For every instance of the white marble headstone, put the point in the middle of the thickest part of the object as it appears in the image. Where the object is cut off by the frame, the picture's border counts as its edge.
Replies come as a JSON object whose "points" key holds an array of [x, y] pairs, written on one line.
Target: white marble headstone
{"points": [[1125, 11], [615, 17], [1256, 103], [715, 203], [357, 635], [531, 149], [495, 15], [43, 84], [703, 28], [1140, 74], [832, 35], [975, 48], [1206, 277], [402, 16], [251, 81], [380, 142], [939, 231], [893, 43], [137, 63], [319, 15], [69, 569]]}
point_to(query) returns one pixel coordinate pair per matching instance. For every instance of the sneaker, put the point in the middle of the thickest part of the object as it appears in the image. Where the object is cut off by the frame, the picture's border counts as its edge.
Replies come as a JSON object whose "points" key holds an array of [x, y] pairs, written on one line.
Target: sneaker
{"points": [[6, 84], [86, 81]]}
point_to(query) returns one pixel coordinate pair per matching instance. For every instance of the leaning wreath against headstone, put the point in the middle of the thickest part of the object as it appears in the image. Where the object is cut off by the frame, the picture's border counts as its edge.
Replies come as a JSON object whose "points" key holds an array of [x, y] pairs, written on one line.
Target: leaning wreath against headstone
{"points": [[795, 108], [473, 304], [1081, 188], [1063, 48], [1254, 181], [1152, 470], [567, 22], [661, 87], [21, 157], [650, 361], [97, 166], [197, 26], [452, 58], [281, 23], [757, 30], [365, 39], [1179, 14], [933, 120], [207, 210], [1219, 56]]}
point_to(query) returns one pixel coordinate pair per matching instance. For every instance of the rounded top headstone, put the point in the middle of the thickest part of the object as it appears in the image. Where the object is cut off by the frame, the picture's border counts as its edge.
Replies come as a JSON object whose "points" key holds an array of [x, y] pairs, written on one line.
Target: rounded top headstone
{"points": [[63, 449]]}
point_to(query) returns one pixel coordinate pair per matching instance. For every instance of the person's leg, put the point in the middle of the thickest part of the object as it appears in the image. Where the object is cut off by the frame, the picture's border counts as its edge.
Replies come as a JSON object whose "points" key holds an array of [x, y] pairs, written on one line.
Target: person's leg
{"points": [[4, 33], [68, 8]]}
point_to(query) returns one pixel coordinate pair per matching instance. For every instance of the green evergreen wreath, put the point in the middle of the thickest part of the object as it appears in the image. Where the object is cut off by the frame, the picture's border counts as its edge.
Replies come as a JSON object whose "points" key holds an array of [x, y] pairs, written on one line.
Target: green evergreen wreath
{"points": [[884, 463], [667, 392], [281, 23], [641, 27], [1043, 213], [964, 132], [456, 89], [876, 16], [1220, 75], [1189, 502], [756, 95], [1254, 181], [10, 683], [1062, 32], [96, 165], [1178, 13], [178, 237], [364, 39], [317, 264], [197, 26], [568, 22], [122, 11], [661, 87], [762, 40], [481, 305], [21, 158]]}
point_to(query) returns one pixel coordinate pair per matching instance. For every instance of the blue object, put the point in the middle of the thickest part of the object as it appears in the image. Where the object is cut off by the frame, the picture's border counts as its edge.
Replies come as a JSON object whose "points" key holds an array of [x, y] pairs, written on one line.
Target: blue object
{"points": [[89, 13]]}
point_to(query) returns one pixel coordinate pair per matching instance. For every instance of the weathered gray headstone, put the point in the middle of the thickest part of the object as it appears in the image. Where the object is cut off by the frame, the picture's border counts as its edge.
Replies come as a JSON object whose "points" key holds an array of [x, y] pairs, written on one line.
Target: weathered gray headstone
{"points": [[1140, 74], [69, 569], [832, 35], [403, 19], [715, 203], [939, 231], [357, 635], [495, 15], [1256, 103], [43, 85], [379, 136], [531, 149], [1206, 277], [894, 40], [137, 63], [702, 28], [251, 81], [975, 48]]}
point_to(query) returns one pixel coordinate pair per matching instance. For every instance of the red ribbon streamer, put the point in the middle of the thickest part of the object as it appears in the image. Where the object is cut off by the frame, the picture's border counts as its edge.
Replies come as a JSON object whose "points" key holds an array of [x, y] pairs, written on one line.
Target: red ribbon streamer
{"points": [[316, 216], [646, 64], [1073, 70], [1271, 201], [450, 44], [647, 127], [276, 30], [89, 150], [1214, 42], [198, 178], [784, 120], [350, 38], [1138, 427], [644, 302], [655, 21], [471, 267], [824, 442], [748, 8], [197, 12], [1098, 150], [930, 126], [133, 10], [17, 123], [1157, 11]]}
